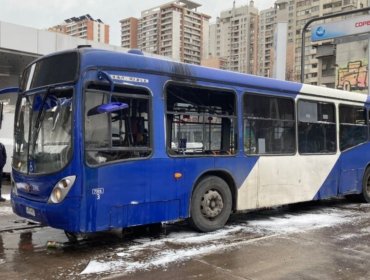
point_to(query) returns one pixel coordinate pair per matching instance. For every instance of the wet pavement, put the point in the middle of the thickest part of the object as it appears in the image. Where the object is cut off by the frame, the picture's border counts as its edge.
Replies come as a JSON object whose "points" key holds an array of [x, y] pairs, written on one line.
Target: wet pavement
{"points": [[318, 240]]}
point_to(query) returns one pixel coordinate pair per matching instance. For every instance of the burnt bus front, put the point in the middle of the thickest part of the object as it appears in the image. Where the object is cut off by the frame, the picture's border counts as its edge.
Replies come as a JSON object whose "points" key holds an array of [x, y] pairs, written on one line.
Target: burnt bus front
{"points": [[45, 185]]}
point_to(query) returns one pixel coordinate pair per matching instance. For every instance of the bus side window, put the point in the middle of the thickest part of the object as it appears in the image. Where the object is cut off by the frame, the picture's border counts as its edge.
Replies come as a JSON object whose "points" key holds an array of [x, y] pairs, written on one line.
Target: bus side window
{"points": [[269, 125], [200, 121], [119, 135], [352, 126], [316, 127]]}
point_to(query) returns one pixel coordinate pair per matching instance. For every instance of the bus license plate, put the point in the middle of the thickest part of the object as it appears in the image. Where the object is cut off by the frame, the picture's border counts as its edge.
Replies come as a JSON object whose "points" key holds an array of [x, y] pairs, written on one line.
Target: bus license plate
{"points": [[30, 211]]}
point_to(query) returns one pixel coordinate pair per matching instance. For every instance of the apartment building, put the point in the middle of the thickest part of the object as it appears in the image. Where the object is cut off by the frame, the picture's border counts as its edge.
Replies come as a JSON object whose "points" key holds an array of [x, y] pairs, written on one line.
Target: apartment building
{"points": [[129, 29], [215, 62], [234, 38], [175, 30], [84, 27], [266, 29]]}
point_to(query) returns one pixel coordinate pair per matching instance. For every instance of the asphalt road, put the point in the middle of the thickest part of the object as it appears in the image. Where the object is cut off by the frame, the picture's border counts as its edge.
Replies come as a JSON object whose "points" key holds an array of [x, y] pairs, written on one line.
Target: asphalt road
{"points": [[318, 240]]}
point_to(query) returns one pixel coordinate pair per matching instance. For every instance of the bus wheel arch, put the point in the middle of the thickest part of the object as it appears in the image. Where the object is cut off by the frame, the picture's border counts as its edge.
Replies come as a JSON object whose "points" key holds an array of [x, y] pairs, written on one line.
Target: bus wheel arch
{"points": [[212, 201], [365, 195]]}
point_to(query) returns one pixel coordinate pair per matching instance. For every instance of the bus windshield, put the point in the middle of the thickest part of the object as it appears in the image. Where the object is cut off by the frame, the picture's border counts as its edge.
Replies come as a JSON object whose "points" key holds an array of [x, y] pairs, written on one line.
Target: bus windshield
{"points": [[43, 132]]}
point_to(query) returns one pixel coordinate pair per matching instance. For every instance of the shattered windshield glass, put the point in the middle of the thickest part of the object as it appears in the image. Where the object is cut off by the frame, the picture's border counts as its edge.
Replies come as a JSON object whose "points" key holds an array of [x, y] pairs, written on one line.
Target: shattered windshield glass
{"points": [[42, 132]]}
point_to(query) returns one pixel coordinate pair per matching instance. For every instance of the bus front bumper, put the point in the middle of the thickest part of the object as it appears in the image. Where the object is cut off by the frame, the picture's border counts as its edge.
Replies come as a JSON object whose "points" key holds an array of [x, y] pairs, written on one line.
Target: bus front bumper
{"points": [[63, 216]]}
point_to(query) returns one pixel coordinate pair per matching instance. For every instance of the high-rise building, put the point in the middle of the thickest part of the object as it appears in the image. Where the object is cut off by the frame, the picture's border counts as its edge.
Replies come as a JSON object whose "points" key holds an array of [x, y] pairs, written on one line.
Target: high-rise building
{"points": [[175, 29], [214, 62], [266, 28], [84, 27], [234, 38], [129, 29]]}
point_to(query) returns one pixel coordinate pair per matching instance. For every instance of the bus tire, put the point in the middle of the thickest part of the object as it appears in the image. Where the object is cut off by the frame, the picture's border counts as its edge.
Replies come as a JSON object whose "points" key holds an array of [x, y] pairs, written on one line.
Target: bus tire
{"points": [[211, 204], [366, 186]]}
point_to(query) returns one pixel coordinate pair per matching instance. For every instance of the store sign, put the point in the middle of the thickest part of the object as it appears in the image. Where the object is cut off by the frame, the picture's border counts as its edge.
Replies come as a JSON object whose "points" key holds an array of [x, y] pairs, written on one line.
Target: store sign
{"points": [[342, 28]]}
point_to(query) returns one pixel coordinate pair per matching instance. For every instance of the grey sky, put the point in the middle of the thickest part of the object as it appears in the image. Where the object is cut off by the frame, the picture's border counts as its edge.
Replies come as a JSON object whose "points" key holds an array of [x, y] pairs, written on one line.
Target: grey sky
{"points": [[45, 13]]}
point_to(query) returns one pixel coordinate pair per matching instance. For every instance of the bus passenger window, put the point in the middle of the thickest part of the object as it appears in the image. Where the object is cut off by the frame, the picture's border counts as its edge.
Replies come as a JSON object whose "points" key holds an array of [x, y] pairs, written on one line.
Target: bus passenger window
{"points": [[316, 127], [119, 135], [269, 125], [200, 121], [352, 126]]}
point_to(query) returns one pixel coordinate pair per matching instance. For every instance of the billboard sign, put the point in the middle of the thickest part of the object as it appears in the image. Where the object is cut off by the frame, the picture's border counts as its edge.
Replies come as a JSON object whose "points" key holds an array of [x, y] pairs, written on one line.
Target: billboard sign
{"points": [[342, 28]]}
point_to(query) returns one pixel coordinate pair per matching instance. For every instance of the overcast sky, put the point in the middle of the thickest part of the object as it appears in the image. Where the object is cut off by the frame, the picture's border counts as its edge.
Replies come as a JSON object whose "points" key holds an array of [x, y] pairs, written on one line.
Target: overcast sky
{"points": [[46, 13]]}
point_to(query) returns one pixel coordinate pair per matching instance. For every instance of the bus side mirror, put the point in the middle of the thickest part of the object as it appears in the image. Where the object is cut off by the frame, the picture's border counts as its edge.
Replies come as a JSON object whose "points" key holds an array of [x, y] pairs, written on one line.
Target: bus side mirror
{"points": [[107, 108]]}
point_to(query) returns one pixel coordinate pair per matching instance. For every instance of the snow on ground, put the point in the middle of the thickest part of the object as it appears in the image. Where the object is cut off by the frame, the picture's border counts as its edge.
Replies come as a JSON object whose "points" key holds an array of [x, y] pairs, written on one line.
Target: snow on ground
{"points": [[6, 196], [98, 267], [297, 223], [176, 247], [5, 210]]}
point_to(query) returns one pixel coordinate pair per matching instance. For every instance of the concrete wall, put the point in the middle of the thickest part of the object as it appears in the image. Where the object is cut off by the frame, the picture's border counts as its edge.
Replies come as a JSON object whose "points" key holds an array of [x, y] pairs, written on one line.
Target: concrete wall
{"points": [[30, 40], [176, 35]]}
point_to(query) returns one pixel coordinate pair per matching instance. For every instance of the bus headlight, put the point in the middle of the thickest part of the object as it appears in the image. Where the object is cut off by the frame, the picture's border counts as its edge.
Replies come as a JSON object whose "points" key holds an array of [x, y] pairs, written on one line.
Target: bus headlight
{"points": [[13, 187], [61, 189]]}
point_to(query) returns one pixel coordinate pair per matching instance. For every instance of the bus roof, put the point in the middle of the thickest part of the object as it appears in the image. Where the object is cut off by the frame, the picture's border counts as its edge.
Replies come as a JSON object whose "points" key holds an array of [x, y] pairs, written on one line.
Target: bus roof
{"points": [[163, 66]]}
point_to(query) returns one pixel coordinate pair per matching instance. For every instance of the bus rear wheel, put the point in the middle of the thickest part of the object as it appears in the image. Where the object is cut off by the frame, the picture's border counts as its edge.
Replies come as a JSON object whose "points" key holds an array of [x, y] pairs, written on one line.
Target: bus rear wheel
{"points": [[366, 186], [211, 204]]}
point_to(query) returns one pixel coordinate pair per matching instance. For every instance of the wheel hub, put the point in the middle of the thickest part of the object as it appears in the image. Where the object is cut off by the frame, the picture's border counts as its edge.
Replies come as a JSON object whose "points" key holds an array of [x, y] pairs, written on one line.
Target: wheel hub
{"points": [[211, 204]]}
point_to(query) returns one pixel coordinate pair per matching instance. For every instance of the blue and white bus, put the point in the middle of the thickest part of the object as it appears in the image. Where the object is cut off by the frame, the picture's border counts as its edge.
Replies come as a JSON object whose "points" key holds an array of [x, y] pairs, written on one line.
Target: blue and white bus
{"points": [[109, 140]]}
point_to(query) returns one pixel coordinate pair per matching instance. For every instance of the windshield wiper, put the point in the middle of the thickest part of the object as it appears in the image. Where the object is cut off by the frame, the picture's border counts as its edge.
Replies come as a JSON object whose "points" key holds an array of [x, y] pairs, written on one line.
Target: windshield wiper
{"points": [[35, 129]]}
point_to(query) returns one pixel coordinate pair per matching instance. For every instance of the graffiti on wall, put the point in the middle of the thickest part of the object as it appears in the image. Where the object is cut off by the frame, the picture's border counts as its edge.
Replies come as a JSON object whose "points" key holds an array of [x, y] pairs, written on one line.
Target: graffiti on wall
{"points": [[353, 77]]}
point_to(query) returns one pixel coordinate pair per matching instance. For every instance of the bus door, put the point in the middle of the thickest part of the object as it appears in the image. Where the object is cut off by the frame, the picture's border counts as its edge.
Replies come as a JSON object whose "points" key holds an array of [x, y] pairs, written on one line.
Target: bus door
{"points": [[118, 149], [269, 140], [287, 172]]}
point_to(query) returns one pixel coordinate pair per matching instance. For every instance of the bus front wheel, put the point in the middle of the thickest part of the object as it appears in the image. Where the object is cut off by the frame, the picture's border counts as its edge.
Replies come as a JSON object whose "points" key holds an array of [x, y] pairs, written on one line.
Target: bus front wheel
{"points": [[211, 204], [366, 186]]}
